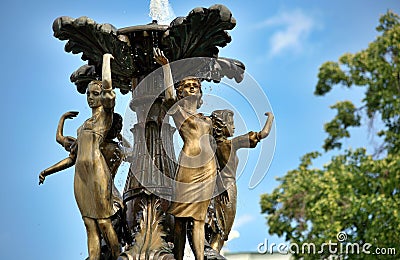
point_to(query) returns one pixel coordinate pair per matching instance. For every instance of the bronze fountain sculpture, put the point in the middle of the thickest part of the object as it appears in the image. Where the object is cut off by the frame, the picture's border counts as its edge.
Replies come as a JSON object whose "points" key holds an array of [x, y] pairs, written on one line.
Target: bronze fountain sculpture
{"points": [[162, 196], [222, 215], [93, 179]]}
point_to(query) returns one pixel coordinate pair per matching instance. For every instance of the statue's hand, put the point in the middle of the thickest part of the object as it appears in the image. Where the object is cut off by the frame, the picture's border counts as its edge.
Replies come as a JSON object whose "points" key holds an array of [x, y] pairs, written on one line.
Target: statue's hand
{"points": [[70, 114], [160, 57], [107, 56], [223, 197], [42, 177]]}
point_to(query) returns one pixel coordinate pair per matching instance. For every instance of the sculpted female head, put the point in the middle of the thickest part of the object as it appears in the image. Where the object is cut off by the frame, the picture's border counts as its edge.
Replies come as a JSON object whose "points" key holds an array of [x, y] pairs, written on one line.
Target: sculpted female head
{"points": [[93, 94], [190, 87]]}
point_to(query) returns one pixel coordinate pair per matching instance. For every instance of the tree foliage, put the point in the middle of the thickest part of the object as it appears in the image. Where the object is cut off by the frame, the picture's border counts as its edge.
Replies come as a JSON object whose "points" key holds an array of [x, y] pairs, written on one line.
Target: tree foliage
{"points": [[377, 70], [356, 193]]}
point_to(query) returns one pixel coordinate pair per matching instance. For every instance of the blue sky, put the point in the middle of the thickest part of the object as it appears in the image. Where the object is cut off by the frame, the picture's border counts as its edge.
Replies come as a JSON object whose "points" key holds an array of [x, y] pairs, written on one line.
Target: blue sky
{"points": [[282, 44]]}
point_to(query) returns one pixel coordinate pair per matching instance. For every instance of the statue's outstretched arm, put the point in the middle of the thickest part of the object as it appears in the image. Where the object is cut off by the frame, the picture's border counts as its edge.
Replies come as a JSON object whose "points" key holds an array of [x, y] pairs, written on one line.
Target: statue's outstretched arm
{"points": [[65, 141], [161, 59], [61, 165], [267, 127], [251, 139]]}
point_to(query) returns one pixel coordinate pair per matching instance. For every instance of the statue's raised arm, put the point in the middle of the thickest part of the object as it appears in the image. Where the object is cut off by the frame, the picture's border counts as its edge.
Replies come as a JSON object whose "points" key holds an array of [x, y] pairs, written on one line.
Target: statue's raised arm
{"points": [[65, 141], [267, 127], [161, 59], [106, 72], [69, 144], [108, 95]]}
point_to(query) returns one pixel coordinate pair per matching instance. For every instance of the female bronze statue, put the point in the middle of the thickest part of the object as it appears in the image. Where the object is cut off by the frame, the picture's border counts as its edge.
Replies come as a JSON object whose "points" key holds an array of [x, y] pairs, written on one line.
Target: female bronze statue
{"points": [[93, 180], [224, 213], [197, 169]]}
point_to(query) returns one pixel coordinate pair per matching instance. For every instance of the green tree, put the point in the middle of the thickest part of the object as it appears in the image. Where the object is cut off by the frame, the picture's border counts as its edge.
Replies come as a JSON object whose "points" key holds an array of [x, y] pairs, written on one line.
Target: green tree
{"points": [[355, 192]]}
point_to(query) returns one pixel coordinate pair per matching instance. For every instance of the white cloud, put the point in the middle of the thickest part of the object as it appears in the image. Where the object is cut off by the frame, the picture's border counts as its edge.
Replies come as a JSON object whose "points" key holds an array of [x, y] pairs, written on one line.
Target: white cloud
{"points": [[239, 222], [294, 28], [242, 220], [233, 234]]}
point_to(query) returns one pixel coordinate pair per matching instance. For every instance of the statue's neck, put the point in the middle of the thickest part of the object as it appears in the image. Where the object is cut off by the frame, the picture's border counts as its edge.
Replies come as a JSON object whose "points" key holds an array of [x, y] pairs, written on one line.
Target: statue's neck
{"points": [[96, 110], [190, 105]]}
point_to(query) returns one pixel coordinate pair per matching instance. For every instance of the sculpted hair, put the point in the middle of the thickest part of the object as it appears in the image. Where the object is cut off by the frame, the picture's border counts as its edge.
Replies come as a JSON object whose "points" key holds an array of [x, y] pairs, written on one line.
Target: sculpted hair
{"points": [[95, 82], [219, 119], [116, 126]]}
